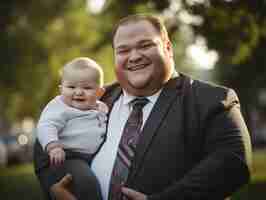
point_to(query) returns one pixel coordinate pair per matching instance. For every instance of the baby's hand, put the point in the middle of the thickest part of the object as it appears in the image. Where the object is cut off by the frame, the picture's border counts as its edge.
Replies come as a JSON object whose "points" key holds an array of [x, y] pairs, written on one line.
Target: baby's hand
{"points": [[57, 156], [102, 107]]}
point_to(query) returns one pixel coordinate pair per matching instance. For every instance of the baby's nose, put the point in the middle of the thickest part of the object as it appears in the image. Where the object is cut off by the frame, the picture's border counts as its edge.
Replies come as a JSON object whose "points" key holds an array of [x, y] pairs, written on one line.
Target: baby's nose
{"points": [[78, 91]]}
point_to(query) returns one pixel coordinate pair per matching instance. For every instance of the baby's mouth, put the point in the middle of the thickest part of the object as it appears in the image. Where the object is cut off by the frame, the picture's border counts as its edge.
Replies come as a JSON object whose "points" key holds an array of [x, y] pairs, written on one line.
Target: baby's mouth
{"points": [[79, 100]]}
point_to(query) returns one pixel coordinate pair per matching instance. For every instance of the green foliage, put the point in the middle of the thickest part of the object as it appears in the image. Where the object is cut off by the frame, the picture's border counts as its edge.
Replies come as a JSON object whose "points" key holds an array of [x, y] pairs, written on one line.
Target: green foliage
{"points": [[19, 182], [39, 37], [236, 29], [23, 54]]}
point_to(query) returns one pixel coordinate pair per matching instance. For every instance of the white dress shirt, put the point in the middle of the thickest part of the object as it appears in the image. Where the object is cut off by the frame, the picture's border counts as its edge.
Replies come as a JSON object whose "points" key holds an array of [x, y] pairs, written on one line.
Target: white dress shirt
{"points": [[103, 163]]}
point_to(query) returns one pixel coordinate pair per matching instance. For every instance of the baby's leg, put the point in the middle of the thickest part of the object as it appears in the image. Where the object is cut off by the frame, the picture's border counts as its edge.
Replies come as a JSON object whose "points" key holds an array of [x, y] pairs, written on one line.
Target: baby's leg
{"points": [[49, 176], [85, 184]]}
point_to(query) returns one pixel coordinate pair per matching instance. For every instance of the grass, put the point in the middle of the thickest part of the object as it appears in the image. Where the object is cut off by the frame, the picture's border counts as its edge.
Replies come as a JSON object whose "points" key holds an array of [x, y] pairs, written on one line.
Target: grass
{"points": [[19, 182], [259, 166], [256, 190]]}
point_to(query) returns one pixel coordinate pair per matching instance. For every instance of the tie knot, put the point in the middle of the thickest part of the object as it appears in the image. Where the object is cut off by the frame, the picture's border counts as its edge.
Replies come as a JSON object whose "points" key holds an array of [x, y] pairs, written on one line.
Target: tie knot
{"points": [[139, 102]]}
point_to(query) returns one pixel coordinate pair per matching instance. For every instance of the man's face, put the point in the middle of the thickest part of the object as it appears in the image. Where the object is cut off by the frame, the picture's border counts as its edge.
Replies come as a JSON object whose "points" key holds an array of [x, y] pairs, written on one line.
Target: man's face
{"points": [[142, 58]]}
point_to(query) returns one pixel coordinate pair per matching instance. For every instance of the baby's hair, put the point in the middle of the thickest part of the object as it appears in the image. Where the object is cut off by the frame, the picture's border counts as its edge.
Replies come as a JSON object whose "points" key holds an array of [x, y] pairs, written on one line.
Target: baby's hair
{"points": [[82, 63]]}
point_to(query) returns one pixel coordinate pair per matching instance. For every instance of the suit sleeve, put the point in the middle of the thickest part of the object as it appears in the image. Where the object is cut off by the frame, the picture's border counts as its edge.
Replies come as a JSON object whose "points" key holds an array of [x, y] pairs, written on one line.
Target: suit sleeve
{"points": [[226, 161]]}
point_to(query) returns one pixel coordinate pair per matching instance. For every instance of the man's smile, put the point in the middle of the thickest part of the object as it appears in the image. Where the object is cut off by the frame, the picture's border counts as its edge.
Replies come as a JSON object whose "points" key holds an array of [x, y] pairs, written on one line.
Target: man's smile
{"points": [[137, 67]]}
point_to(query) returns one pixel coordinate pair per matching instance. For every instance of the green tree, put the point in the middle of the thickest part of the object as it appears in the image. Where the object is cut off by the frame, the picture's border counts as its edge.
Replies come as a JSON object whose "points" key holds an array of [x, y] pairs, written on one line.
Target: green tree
{"points": [[237, 30], [22, 53], [38, 37]]}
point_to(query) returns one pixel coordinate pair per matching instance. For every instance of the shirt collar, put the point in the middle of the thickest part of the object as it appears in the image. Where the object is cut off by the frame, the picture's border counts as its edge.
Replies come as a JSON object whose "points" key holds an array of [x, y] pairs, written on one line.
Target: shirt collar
{"points": [[127, 98]]}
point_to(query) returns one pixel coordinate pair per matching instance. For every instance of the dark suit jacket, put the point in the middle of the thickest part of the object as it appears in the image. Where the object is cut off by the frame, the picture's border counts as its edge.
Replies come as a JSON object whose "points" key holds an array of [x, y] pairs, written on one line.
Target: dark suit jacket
{"points": [[194, 145]]}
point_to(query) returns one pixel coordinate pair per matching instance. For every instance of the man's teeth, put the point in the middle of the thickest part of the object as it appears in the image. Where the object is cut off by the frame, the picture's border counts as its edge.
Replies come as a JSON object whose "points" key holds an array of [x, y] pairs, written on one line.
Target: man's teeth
{"points": [[136, 67]]}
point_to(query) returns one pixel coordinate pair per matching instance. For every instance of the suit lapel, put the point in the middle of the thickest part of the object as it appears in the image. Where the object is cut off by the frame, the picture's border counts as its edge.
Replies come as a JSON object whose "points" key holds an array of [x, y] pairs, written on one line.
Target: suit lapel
{"points": [[170, 91]]}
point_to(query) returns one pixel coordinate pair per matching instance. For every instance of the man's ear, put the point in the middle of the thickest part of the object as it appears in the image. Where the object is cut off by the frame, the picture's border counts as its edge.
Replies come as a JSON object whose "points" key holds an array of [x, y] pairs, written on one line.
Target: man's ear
{"points": [[99, 92], [169, 48]]}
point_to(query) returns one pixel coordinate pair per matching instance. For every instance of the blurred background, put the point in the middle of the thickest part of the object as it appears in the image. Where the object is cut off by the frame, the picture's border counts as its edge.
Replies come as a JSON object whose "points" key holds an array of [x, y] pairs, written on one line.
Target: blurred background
{"points": [[219, 41]]}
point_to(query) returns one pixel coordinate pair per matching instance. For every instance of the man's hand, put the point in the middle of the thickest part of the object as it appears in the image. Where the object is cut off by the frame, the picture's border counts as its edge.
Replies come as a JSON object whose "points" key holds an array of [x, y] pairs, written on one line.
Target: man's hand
{"points": [[132, 194], [61, 189], [57, 156]]}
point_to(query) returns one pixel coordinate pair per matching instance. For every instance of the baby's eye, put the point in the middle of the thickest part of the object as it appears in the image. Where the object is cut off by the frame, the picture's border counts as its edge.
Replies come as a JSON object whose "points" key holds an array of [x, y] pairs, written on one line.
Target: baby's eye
{"points": [[70, 87]]}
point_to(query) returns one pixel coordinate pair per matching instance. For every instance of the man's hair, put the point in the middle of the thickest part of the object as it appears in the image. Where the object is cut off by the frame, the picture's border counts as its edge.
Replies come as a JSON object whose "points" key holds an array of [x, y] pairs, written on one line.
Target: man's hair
{"points": [[154, 20], [83, 63]]}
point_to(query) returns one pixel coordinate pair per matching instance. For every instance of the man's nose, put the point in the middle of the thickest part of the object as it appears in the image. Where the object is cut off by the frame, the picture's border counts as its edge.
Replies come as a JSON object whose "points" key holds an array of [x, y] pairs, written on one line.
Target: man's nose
{"points": [[134, 55]]}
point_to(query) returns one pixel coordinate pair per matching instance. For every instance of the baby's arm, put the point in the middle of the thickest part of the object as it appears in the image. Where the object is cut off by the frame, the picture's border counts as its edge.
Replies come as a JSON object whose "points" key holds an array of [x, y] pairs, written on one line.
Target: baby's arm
{"points": [[51, 122], [102, 107]]}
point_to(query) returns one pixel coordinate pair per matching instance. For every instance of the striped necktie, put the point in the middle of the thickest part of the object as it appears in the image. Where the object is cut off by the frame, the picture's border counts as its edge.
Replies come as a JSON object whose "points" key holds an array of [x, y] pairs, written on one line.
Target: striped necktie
{"points": [[126, 149]]}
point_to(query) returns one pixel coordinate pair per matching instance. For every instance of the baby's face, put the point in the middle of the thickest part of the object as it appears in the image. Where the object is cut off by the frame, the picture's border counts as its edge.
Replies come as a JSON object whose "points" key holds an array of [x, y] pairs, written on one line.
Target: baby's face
{"points": [[79, 89]]}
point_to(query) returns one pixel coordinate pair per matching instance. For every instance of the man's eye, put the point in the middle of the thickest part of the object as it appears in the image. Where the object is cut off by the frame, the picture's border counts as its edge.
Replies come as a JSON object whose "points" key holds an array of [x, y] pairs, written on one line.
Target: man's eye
{"points": [[122, 51], [146, 45], [70, 87]]}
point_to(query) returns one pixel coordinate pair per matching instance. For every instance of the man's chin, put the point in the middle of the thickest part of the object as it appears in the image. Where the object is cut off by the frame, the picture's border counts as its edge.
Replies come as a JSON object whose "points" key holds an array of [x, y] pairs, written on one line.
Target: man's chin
{"points": [[139, 83], [141, 90]]}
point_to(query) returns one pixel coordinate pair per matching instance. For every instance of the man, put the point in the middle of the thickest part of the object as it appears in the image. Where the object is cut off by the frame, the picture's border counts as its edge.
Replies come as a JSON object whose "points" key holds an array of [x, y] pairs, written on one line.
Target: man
{"points": [[194, 143]]}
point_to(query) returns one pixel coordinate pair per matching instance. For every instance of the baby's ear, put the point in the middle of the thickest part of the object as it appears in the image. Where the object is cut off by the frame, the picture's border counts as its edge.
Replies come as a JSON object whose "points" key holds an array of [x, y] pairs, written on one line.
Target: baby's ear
{"points": [[99, 92]]}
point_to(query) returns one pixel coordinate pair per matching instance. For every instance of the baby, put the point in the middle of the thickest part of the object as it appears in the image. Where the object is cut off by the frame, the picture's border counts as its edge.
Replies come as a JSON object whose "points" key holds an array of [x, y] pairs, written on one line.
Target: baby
{"points": [[72, 127]]}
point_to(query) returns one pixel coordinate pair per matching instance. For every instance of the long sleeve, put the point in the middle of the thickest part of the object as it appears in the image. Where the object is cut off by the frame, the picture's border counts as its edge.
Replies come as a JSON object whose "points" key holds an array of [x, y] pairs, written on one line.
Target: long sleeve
{"points": [[51, 121], [226, 153]]}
